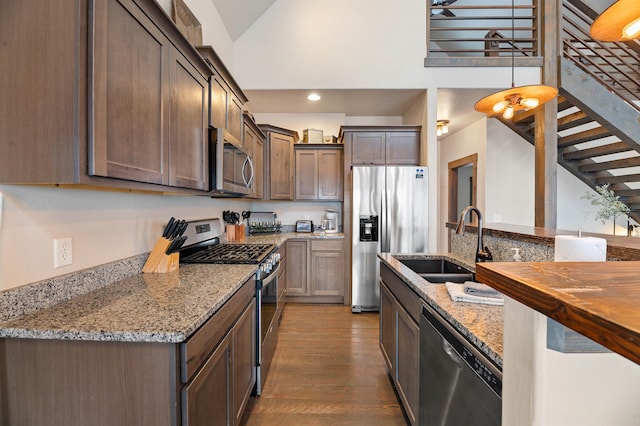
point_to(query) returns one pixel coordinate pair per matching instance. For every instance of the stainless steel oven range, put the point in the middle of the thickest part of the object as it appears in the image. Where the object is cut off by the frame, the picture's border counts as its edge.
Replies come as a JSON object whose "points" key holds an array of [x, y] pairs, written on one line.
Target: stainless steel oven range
{"points": [[209, 249]]}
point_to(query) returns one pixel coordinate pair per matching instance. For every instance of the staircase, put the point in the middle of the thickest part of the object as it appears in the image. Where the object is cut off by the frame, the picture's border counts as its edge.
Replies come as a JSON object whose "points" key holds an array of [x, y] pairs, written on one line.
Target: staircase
{"points": [[598, 109]]}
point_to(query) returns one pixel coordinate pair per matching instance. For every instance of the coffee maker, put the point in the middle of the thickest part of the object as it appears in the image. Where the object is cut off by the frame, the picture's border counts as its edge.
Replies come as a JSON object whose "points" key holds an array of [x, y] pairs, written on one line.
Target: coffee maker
{"points": [[330, 224]]}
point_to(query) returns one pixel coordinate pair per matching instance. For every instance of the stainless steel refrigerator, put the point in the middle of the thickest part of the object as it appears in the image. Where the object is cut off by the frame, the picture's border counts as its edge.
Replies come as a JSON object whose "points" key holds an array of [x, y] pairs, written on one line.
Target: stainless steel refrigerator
{"points": [[390, 215]]}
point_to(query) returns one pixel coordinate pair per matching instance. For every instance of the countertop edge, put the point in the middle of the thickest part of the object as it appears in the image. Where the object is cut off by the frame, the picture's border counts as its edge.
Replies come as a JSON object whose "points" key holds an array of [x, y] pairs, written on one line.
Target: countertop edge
{"points": [[562, 308]]}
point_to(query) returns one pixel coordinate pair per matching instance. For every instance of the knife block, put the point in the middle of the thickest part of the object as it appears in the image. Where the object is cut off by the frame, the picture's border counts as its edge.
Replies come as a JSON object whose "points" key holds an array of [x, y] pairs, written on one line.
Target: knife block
{"points": [[159, 261], [235, 232]]}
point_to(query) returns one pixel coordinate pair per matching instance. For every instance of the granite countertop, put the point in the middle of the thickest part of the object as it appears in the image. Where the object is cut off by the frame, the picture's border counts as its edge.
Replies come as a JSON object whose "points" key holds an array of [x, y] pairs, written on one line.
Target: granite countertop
{"points": [[600, 300], [143, 307], [481, 324]]}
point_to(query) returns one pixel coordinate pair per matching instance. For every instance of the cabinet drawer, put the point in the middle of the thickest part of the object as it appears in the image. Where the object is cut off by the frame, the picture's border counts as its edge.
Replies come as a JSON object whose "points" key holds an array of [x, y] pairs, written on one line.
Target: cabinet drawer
{"points": [[332, 245], [196, 350], [406, 297]]}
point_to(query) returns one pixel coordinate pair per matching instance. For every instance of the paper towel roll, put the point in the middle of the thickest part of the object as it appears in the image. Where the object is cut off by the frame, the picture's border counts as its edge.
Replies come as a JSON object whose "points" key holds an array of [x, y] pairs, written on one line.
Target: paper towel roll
{"points": [[570, 248]]}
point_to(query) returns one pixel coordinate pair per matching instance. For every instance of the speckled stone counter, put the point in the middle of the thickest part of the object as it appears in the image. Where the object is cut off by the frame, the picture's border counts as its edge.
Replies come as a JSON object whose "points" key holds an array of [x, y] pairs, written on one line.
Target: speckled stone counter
{"points": [[144, 308], [481, 324], [132, 307], [279, 239]]}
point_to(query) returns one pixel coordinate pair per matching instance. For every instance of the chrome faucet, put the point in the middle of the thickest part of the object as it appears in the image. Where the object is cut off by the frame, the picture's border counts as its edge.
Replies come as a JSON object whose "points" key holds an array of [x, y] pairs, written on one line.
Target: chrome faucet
{"points": [[482, 253]]}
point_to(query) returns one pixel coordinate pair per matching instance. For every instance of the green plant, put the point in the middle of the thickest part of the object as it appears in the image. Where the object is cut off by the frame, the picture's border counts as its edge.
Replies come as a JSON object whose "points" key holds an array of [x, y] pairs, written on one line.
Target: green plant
{"points": [[609, 202]]}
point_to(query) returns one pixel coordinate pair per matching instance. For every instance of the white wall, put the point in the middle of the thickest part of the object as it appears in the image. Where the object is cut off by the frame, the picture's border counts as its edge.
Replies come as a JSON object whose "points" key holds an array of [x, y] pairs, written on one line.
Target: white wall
{"points": [[468, 141], [508, 193], [542, 387], [349, 44]]}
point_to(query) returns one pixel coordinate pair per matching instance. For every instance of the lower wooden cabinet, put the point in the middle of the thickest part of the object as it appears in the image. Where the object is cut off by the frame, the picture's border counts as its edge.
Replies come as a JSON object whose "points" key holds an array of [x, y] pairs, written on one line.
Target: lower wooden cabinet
{"points": [[315, 271], [400, 345], [206, 380]]}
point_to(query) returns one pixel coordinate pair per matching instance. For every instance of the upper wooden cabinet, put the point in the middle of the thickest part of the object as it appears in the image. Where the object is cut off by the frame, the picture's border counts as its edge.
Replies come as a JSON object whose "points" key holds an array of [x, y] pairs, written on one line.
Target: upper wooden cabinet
{"points": [[254, 140], [382, 145], [318, 173], [226, 98], [279, 162], [148, 115], [120, 94]]}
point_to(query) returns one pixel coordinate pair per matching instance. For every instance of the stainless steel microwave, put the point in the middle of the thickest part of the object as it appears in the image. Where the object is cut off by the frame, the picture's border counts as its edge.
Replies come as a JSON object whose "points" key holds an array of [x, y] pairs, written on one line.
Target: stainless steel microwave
{"points": [[231, 166]]}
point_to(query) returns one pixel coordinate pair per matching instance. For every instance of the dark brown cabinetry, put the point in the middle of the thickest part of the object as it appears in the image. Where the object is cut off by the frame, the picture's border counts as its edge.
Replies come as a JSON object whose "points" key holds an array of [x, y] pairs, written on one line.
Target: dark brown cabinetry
{"points": [[400, 338], [143, 117], [279, 162], [315, 270], [205, 380], [318, 173], [119, 89], [226, 98], [296, 263], [384, 145], [254, 141]]}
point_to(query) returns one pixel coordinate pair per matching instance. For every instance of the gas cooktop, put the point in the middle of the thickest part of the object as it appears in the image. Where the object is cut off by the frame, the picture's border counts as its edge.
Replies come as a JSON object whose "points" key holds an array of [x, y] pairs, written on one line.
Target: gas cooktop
{"points": [[230, 253]]}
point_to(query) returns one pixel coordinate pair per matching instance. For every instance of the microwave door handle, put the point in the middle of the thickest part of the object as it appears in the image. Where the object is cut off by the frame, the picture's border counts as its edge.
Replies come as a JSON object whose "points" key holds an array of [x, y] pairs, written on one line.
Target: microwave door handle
{"points": [[247, 182]]}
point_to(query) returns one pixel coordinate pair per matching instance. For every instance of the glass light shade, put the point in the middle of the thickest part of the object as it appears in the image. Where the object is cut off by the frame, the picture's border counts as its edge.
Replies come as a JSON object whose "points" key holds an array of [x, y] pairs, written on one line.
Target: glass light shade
{"points": [[632, 29], [439, 131], [508, 112], [500, 106], [529, 102], [619, 22]]}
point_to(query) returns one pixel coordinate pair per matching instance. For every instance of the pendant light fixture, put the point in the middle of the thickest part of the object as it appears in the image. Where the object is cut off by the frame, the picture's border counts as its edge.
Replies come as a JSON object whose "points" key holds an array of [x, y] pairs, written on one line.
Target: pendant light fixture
{"points": [[507, 102], [619, 22]]}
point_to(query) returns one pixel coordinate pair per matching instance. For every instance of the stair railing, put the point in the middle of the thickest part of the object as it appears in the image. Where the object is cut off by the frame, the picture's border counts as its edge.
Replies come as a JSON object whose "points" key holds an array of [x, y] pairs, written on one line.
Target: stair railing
{"points": [[614, 65]]}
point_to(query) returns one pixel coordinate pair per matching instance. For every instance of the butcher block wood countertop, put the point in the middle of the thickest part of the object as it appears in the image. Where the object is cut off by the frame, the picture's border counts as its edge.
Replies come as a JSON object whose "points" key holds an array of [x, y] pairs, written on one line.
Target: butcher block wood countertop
{"points": [[600, 300]]}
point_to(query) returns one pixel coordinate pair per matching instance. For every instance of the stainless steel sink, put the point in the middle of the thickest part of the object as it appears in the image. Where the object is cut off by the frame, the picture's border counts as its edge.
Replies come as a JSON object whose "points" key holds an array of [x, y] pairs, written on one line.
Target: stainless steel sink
{"points": [[438, 270]]}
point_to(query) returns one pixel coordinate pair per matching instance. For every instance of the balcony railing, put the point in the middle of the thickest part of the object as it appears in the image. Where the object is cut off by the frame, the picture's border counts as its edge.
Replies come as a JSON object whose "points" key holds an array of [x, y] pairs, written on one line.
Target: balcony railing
{"points": [[469, 32]]}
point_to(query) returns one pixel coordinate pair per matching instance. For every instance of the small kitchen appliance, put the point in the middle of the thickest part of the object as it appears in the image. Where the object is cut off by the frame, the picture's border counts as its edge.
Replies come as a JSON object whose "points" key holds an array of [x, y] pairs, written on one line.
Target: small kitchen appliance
{"points": [[207, 248], [304, 226], [330, 224]]}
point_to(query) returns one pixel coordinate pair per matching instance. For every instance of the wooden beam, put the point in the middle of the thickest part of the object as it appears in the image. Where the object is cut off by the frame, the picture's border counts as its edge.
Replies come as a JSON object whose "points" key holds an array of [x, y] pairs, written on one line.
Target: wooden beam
{"points": [[546, 129]]}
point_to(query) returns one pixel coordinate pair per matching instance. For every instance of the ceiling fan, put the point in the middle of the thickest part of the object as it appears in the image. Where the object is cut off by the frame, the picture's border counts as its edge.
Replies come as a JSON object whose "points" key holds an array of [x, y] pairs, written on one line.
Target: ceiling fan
{"points": [[438, 7]]}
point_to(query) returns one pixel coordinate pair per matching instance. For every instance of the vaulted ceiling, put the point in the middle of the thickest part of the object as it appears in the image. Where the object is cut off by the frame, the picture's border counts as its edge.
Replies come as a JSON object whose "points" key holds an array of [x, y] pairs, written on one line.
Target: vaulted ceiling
{"points": [[238, 15]]}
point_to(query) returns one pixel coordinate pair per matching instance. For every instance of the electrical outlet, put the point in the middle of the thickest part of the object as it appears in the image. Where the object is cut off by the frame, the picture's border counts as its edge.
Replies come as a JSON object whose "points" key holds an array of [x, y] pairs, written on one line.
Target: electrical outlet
{"points": [[62, 252]]}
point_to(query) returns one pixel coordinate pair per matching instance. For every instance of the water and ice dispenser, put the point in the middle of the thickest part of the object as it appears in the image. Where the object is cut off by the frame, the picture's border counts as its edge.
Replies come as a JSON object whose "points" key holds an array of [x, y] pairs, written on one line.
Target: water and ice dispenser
{"points": [[369, 228]]}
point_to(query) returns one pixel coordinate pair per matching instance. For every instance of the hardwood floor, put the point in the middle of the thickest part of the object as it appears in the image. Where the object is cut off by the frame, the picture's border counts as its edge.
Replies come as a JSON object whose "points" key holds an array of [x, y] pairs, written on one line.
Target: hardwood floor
{"points": [[327, 370]]}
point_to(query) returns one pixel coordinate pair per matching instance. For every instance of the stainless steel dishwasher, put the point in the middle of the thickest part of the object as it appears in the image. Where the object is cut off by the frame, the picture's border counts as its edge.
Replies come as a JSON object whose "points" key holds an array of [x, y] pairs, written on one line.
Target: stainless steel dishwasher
{"points": [[458, 384]]}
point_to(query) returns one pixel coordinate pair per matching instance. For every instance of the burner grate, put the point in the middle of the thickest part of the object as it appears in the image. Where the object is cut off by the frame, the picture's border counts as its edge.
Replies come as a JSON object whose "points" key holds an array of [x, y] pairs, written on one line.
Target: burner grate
{"points": [[230, 253]]}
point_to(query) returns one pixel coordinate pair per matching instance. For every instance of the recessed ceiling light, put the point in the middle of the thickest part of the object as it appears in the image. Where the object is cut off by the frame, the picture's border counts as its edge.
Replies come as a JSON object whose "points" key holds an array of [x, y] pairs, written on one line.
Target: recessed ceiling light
{"points": [[314, 97]]}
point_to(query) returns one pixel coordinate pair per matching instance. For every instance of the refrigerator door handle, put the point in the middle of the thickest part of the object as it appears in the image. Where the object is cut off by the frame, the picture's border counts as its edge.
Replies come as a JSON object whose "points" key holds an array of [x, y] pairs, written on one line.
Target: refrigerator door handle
{"points": [[384, 222]]}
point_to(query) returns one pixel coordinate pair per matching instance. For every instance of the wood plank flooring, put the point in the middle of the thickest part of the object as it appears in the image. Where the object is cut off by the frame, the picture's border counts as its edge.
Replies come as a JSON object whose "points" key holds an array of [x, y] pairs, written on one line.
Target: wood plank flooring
{"points": [[327, 370]]}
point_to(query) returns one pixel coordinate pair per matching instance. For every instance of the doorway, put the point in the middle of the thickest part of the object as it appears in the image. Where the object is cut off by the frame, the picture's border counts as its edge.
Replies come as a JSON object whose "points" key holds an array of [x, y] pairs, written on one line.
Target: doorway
{"points": [[462, 186]]}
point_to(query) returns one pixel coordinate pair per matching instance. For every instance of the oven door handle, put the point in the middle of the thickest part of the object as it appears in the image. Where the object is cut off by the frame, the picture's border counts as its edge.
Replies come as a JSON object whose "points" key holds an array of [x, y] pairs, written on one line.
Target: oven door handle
{"points": [[272, 276]]}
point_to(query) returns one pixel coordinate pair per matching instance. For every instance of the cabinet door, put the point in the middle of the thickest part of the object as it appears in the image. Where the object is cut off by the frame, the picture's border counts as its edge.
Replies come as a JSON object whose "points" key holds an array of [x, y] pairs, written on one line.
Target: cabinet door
{"points": [[403, 148], [189, 148], [306, 180], [327, 273], [296, 263], [244, 360], [202, 403], [280, 167], [330, 174], [368, 148], [388, 328], [255, 144], [408, 363], [128, 135], [234, 117], [219, 93]]}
